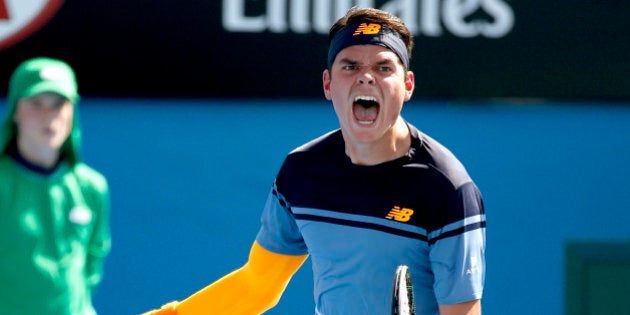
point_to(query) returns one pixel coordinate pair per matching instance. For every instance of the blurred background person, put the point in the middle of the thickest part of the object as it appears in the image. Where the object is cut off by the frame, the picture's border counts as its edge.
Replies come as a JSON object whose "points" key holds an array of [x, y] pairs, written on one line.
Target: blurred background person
{"points": [[54, 209]]}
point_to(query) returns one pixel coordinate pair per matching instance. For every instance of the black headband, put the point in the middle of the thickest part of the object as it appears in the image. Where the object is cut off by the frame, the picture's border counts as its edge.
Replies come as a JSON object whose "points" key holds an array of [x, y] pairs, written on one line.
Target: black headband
{"points": [[367, 34]]}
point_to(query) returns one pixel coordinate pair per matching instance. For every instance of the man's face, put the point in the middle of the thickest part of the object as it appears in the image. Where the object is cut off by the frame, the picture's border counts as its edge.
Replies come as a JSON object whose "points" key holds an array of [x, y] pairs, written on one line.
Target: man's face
{"points": [[368, 86], [44, 120]]}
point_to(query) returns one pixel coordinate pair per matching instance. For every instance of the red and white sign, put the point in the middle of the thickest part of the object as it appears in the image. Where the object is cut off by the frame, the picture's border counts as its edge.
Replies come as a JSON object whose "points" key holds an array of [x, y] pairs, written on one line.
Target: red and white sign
{"points": [[19, 19]]}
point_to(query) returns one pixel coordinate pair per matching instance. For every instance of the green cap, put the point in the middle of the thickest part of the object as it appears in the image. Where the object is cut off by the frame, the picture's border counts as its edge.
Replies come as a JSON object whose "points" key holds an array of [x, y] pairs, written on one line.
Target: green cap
{"points": [[41, 75]]}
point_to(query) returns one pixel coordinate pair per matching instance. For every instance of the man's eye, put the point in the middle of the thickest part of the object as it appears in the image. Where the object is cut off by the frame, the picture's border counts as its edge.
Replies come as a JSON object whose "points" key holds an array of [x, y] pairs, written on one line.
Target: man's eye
{"points": [[350, 67], [35, 103], [384, 68]]}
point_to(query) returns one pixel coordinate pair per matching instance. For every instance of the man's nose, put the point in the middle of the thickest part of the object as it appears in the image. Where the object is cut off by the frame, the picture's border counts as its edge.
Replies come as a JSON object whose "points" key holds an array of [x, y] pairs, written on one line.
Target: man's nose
{"points": [[365, 77]]}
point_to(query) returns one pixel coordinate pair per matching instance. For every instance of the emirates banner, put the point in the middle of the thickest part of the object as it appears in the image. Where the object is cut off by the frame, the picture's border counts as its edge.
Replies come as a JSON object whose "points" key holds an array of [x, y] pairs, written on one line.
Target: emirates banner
{"points": [[277, 48]]}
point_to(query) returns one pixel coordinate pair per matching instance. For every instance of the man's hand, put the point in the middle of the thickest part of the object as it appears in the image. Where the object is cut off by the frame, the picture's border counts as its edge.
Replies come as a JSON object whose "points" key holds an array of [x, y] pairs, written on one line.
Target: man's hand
{"points": [[166, 309]]}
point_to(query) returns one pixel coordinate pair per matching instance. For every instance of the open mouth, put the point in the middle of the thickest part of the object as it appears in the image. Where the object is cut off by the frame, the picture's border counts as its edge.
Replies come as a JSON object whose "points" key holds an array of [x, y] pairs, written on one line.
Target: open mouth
{"points": [[365, 109]]}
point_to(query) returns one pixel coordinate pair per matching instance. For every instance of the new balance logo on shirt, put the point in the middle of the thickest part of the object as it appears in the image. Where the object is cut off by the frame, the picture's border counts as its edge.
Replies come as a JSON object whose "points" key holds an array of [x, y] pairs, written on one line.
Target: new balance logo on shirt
{"points": [[399, 214]]}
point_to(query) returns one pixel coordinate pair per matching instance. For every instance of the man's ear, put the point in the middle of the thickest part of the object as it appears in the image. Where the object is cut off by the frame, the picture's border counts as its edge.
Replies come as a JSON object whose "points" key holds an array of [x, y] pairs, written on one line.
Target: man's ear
{"points": [[410, 84], [326, 84]]}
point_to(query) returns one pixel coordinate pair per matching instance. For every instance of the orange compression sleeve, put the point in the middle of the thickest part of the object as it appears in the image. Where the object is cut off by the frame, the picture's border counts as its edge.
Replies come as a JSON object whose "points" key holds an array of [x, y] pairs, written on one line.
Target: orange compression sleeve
{"points": [[166, 309], [252, 289]]}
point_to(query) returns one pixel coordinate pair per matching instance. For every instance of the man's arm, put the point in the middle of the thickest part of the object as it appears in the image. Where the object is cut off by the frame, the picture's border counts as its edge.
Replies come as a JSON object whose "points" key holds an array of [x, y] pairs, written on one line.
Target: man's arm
{"points": [[251, 289], [466, 308]]}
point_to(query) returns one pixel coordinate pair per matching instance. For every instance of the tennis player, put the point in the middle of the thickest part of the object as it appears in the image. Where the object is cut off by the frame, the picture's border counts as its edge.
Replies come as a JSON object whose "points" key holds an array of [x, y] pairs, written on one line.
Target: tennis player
{"points": [[363, 199]]}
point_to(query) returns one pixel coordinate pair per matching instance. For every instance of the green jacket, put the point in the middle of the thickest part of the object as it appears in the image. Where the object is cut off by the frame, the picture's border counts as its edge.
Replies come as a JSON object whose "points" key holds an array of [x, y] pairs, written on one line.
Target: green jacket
{"points": [[54, 231]]}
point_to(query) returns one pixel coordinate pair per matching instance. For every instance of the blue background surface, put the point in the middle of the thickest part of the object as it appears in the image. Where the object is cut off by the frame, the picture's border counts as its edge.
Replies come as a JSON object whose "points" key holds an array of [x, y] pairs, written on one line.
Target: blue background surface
{"points": [[189, 178]]}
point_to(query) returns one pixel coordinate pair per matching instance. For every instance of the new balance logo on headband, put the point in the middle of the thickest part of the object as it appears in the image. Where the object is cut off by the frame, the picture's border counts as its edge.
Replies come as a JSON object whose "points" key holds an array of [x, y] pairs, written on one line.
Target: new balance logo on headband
{"points": [[371, 34], [367, 29]]}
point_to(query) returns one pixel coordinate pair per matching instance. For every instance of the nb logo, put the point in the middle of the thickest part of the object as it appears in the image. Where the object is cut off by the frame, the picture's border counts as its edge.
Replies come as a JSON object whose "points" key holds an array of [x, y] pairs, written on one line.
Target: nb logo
{"points": [[400, 214], [367, 29]]}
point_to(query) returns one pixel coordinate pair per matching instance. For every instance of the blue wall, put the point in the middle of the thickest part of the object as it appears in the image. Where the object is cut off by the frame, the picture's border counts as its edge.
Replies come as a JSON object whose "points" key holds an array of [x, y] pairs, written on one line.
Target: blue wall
{"points": [[189, 179]]}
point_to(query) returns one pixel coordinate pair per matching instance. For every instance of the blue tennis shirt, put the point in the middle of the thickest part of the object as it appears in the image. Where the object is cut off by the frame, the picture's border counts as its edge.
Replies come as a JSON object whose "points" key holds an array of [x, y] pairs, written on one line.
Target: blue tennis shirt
{"points": [[358, 223]]}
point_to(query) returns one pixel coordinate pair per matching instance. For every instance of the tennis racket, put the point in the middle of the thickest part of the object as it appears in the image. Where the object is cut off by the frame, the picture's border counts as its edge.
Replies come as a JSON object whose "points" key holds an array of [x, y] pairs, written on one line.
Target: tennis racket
{"points": [[402, 293]]}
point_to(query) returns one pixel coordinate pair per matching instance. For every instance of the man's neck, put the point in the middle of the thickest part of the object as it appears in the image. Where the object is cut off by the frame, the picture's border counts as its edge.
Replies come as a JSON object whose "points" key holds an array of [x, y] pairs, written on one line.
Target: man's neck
{"points": [[394, 145], [41, 157]]}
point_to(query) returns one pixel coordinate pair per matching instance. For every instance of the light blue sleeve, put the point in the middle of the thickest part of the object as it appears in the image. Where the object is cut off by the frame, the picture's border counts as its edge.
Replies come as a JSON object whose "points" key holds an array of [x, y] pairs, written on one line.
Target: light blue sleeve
{"points": [[458, 263], [278, 231]]}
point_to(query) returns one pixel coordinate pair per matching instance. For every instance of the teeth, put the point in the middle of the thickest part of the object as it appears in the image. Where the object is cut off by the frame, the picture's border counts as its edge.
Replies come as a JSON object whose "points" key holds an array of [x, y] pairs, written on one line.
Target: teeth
{"points": [[365, 98]]}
